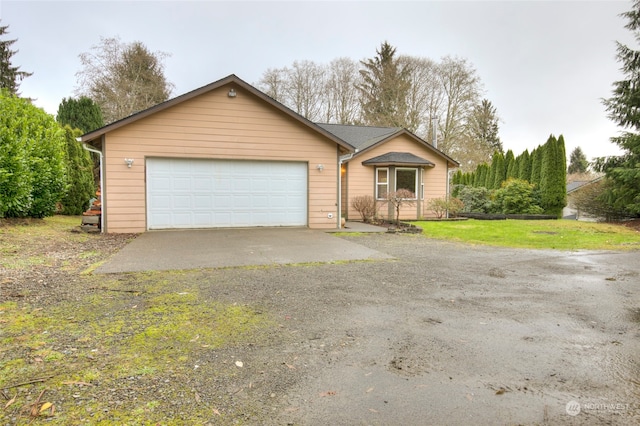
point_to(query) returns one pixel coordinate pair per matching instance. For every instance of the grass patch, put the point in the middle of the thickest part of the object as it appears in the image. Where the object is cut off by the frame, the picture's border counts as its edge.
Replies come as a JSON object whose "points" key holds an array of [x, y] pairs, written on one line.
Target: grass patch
{"points": [[535, 234], [110, 336]]}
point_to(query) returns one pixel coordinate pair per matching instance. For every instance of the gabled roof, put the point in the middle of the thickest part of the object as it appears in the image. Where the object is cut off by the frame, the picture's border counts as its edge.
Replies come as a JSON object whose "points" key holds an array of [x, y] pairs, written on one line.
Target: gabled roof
{"points": [[360, 137], [229, 80], [398, 158], [365, 137]]}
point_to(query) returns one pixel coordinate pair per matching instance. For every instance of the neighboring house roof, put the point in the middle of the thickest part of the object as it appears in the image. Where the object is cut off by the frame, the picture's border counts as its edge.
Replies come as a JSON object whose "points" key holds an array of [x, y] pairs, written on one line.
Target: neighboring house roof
{"points": [[231, 79], [398, 158], [363, 138], [577, 184], [572, 186]]}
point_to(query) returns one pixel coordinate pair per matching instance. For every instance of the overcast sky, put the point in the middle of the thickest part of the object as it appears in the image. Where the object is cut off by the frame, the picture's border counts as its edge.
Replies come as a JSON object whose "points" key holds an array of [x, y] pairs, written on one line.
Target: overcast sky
{"points": [[545, 65]]}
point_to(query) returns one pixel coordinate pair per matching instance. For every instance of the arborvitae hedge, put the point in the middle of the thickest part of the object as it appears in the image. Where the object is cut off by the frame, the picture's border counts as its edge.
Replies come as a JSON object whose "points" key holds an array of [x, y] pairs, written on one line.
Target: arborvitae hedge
{"points": [[80, 175], [544, 168]]}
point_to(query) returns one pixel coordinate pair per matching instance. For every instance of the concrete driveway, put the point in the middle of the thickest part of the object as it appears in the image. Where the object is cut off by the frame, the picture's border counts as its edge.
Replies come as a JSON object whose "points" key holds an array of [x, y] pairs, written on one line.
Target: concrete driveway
{"points": [[216, 248]]}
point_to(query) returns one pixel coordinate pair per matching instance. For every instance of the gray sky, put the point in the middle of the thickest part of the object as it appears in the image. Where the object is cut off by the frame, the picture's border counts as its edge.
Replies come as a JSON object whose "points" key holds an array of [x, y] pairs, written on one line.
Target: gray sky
{"points": [[545, 65]]}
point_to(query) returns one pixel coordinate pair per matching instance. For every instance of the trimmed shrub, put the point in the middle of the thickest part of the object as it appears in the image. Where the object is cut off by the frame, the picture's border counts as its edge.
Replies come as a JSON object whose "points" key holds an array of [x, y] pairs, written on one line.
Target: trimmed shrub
{"points": [[32, 165], [365, 205], [440, 206], [516, 196], [475, 199]]}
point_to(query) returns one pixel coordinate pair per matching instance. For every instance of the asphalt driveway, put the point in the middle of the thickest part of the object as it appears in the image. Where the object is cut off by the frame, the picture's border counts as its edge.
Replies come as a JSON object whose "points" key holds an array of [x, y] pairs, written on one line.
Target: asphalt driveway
{"points": [[216, 248]]}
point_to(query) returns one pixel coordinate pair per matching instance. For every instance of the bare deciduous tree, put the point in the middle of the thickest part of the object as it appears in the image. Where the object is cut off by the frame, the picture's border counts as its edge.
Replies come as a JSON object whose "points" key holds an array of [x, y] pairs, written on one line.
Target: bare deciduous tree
{"points": [[122, 78], [425, 95], [324, 93], [274, 83], [342, 97], [462, 89], [390, 90], [306, 82], [399, 198]]}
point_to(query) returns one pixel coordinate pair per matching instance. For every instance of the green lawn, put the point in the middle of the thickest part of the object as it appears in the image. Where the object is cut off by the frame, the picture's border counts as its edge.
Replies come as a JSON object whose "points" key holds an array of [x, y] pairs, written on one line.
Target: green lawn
{"points": [[536, 234]]}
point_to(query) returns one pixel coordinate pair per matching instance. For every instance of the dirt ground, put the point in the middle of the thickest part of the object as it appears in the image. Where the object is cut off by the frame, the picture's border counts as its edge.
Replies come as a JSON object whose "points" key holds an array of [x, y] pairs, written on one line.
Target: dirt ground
{"points": [[444, 333]]}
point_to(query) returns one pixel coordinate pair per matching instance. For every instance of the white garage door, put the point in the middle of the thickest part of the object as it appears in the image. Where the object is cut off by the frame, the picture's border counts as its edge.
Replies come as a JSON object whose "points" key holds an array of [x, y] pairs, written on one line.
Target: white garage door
{"points": [[183, 193]]}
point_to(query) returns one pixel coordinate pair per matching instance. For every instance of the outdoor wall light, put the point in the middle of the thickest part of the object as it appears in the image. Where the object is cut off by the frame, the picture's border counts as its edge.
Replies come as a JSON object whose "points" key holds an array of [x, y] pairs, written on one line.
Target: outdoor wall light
{"points": [[320, 167], [232, 93], [129, 162]]}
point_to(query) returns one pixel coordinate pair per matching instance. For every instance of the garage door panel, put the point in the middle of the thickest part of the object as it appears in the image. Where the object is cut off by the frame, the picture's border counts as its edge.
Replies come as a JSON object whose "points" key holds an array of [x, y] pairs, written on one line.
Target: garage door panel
{"points": [[185, 193], [202, 220], [203, 202], [203, 183]]}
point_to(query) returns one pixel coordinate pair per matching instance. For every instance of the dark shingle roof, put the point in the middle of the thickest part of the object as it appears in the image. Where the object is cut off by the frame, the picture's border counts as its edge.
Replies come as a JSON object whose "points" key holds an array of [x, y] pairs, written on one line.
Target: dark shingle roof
{"points": [[360, 137], [577, 184], [364, 137], [572, 186], [398, 158]]}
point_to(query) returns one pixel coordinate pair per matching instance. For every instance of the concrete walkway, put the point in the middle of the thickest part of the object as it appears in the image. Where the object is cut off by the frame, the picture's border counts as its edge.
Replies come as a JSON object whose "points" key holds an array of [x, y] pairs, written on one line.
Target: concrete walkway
{"points": [[217, 248], [358, 227]]}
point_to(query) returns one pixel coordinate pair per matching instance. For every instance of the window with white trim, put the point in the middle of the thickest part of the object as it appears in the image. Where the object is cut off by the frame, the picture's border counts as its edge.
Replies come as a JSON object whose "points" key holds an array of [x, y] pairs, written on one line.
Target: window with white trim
{"points": [[407, 178], [382, 183]]}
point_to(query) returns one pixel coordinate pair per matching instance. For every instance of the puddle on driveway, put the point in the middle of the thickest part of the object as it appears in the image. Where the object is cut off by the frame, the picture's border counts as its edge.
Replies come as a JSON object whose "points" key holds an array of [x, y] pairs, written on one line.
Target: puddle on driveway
{"points": [[513, 347]]}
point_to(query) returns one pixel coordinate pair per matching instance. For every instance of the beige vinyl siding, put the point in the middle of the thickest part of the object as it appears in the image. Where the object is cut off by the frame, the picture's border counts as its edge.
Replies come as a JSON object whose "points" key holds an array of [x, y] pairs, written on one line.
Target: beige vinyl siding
{"points": [[362, 178], [214, 126]]}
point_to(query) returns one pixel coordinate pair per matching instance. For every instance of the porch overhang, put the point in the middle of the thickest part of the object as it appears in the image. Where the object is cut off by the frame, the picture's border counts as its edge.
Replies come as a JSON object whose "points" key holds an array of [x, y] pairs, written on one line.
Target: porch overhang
{"points": [[398, 159]]}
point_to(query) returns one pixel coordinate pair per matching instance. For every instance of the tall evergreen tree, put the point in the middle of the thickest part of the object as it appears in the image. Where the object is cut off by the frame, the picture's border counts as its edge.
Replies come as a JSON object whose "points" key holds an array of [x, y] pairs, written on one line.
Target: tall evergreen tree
{"points": [[10, 75], [384, 89], [577, 161], [553, 176], [524, 166], [500, 171], [82, 113], [624, 110], [536, 165], [483, 173], [483, 127], [79, 173], [511, 166]]}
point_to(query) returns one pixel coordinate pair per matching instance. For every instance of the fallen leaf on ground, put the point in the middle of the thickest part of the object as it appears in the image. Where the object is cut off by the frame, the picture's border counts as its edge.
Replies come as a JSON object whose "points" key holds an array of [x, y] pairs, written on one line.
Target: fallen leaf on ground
{"points": [[46, 406], [11, 401]]}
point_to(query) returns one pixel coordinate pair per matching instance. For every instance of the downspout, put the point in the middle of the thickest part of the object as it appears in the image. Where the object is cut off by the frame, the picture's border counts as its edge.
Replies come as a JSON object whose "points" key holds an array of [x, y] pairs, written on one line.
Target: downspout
{"points": [[341, 159], [88, 148], [448, 189]]}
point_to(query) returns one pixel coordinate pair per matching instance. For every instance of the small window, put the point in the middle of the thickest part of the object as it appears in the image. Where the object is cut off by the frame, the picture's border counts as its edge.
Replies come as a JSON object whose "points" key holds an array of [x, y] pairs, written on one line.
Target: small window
{"points": [[407, 179], [382, 183]]}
